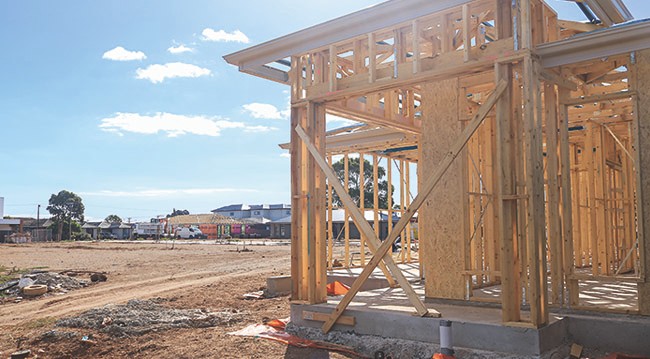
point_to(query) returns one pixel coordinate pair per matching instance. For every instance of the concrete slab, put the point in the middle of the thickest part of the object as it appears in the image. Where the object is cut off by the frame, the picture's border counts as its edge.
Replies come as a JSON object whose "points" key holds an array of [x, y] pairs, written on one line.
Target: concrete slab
{"points": [[480, 335], [377, 279], [387, 313]]}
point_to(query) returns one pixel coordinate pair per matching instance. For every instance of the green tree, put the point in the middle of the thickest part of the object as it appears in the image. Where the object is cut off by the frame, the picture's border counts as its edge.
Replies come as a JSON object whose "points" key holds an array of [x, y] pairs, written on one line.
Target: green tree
{"points": [[178, 212], [113, 218], [354, 179], [64, 207]]}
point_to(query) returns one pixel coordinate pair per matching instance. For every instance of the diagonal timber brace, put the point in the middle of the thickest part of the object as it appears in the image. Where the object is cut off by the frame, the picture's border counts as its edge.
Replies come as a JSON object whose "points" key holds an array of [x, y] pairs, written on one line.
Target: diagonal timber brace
{"points": [[363, 225], [431, 183]]}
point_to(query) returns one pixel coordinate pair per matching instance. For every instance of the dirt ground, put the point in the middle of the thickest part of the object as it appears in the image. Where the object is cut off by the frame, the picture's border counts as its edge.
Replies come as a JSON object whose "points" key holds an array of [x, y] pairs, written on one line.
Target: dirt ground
{"points": [[189, 276]]}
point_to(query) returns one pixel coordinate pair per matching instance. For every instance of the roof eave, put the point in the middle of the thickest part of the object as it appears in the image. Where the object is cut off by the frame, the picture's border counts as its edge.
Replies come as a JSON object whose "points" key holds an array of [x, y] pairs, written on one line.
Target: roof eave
{"points": [[606, 42], [358, 23]]}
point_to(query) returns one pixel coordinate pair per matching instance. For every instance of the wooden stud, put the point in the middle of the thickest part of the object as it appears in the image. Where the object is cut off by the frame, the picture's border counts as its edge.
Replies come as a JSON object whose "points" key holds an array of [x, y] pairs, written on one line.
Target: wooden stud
{"points": [[375, 194], [415, 30], [362, 206], [535, 187], [333, 81], [567, 222], [346, 216], [330, 222], [389, 192], [467, 32], [507, 209], [552, 170], [372, 58]]}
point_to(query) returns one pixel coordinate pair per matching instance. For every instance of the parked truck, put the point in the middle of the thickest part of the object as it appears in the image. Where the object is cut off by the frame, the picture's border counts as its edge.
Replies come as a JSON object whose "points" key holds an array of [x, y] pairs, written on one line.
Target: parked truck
{"points": [[148, 230]]}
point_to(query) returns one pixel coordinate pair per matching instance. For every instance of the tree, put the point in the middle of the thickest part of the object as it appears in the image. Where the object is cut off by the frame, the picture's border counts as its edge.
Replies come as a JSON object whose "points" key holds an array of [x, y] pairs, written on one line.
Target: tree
{"points": [[368, 184], [64, 207], [113, 218], [178, 212]]}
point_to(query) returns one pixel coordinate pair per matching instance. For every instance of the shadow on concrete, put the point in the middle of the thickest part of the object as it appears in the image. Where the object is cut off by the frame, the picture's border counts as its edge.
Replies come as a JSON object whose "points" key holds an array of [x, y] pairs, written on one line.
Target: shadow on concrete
{"points": [[310, 353]]}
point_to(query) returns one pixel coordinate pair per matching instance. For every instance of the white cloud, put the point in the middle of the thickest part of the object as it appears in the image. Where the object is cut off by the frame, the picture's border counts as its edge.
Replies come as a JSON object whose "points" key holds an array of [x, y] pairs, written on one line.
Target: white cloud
{"points": [[121, 54], [258, 129], [158, 73], [166, 192], [340, 120], [173, 125], [285, 155], [180, 49], [223, 36], [265, 111]]}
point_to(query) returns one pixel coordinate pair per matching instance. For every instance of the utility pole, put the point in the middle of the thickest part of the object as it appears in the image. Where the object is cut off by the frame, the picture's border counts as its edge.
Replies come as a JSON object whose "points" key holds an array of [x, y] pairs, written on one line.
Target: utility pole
{"points": [[38, 222]]}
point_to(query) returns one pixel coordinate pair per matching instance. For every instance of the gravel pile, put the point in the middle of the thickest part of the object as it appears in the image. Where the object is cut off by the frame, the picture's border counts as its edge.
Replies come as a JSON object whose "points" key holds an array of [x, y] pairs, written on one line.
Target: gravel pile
{"points": [[139, 317]]}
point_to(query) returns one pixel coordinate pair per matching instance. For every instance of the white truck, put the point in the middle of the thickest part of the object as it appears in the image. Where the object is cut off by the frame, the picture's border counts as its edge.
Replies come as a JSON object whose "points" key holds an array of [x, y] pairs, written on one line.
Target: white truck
{"points": [[189, 233], [148, 230]]}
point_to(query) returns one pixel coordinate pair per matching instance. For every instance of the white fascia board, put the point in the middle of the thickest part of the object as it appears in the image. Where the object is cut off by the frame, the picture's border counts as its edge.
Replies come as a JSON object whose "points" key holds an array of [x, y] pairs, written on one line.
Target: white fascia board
{"points": [[610, 41], [358, 23], [267, 72]]}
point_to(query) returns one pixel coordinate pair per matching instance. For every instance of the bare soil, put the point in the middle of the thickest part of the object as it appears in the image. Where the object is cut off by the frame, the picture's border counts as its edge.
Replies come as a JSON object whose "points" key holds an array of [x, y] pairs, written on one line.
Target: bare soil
{"points": [[208, 277]]}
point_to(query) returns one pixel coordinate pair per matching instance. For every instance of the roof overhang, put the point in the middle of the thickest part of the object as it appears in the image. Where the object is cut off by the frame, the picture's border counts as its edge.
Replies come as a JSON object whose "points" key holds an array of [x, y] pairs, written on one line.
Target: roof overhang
{"points": [[254, 60], [609, 41], [610, 11]]}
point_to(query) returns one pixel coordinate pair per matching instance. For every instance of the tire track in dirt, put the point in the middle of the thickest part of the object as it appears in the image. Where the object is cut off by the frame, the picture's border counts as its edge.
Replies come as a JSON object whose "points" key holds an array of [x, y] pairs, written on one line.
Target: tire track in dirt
{"points": [[119, 292]]}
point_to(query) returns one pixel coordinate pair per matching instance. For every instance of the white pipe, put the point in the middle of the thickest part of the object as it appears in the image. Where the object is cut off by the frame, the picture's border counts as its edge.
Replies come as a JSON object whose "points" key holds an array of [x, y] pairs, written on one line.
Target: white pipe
{"points": [[446, 346]]}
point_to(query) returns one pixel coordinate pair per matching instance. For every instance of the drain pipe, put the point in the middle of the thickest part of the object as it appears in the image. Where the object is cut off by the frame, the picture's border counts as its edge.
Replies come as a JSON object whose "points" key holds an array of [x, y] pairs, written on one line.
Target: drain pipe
{"points": [[446, 346]]}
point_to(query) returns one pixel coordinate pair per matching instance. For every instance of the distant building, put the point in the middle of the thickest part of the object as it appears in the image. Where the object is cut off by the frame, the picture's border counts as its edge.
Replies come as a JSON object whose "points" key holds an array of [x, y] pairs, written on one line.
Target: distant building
{"points": [[281, 228], [8, 225], [262, 213], [108, 230]]}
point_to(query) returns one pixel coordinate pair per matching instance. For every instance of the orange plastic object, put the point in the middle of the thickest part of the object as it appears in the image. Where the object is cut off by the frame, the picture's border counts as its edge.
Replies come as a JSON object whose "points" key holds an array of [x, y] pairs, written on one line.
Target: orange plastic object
{"points": [[277, 324], [337, 288], [443, 356]]}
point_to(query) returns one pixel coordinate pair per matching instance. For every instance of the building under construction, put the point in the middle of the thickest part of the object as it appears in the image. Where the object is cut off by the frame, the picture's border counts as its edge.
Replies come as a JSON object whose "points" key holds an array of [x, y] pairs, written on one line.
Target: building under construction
{"points": [[530, 138]]}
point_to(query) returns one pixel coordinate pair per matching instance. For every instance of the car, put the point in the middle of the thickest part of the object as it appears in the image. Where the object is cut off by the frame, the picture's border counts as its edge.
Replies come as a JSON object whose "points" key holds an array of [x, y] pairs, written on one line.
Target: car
{"points": [[107, 235]]}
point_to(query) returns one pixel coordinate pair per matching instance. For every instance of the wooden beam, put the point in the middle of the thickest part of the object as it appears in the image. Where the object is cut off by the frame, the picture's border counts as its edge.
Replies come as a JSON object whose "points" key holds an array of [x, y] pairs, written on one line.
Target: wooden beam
{"points": [[417, 202], [467, 32], [321, 317], [363, 225], [536, 238], [507, 209], [552, 77], [553, 193], [567, 205]]}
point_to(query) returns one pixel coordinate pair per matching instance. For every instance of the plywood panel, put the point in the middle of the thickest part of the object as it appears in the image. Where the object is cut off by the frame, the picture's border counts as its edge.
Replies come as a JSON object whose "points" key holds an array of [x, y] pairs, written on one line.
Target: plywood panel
{"points": [[441, 217], [642, 84]]}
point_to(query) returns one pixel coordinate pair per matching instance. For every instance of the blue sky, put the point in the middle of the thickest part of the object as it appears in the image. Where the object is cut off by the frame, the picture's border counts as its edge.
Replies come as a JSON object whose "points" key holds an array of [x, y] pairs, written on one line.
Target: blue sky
{"points": [[130, 105]]}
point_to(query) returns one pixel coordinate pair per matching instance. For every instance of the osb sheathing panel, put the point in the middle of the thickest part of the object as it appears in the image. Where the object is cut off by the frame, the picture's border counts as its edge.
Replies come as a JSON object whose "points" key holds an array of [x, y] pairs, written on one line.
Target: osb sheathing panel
{"points": [[441, 217], [643, 87]]}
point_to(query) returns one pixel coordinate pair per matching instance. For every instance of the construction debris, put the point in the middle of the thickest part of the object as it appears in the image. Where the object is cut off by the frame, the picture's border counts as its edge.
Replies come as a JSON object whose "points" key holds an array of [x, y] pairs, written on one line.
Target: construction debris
{"points": [[274, 330], [139, 317], [255, 295], [45, 281]]}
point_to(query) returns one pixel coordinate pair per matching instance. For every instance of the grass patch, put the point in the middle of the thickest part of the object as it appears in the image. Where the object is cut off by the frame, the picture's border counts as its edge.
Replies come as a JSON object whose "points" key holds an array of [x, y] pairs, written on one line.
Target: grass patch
{"points": [[40, 323]]}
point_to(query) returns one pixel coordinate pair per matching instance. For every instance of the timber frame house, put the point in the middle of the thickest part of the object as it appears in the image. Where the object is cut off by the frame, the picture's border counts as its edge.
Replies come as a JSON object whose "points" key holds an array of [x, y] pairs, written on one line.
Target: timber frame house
{"points": [[530, 135]]}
